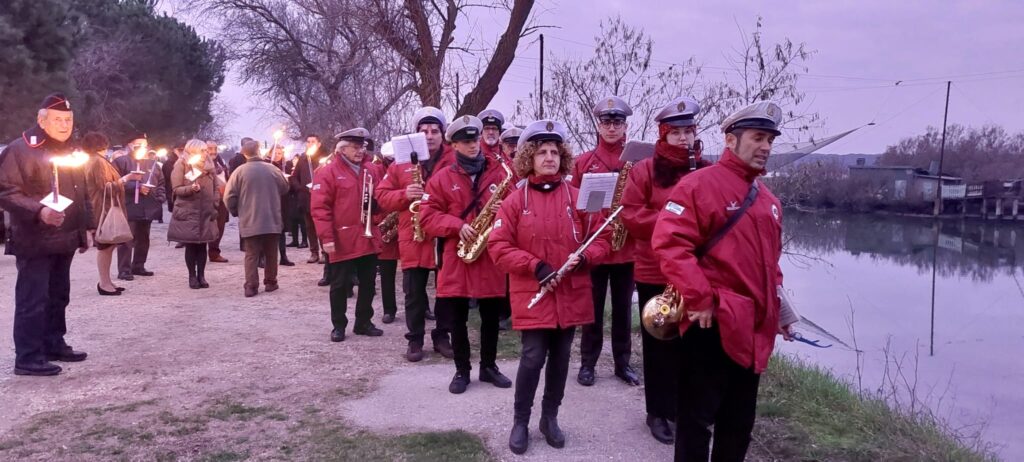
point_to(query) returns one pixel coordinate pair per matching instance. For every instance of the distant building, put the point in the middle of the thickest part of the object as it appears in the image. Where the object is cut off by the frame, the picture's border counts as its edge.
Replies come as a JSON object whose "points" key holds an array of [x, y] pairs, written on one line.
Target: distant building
{"points": [[906, 184]]}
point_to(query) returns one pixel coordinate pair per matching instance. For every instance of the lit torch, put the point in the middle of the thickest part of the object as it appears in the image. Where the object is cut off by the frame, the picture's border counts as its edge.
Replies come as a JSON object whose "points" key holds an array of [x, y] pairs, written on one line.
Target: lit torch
{"points": [[73, 160]]}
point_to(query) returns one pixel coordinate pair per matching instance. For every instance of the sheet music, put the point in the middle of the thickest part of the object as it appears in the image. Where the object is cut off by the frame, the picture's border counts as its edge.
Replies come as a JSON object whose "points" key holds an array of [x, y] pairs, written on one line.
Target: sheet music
{"points": [[635, 151], [404, 145], [596, 188]]}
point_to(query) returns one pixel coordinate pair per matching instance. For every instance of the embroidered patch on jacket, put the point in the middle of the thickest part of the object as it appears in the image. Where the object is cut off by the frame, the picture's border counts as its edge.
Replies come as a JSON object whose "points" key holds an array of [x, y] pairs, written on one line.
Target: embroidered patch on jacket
{"points": [[497, 223], [567, 178], [425, 197], [316, 187], [675, 208], [775, 212]]}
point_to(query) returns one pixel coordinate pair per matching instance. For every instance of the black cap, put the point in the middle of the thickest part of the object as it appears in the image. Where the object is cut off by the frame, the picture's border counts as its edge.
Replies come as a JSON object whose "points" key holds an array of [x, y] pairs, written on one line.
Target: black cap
{"points": [[133, 135], [56, 102]]}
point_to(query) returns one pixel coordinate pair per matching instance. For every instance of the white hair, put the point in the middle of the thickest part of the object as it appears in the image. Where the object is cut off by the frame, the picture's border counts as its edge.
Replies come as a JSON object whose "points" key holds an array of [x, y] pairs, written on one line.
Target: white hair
{"points": [[42, 113], [341, 144]]}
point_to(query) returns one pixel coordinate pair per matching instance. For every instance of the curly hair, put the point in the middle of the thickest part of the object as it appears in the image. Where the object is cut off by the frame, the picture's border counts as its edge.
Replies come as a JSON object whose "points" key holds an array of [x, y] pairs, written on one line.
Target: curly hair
{"points": [[523, 163]]}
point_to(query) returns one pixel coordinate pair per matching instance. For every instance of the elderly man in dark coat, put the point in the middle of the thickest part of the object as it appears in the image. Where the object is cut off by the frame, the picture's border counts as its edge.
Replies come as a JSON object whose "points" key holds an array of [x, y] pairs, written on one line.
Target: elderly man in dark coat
{"points": [[254, 196], [44, 240], [151, 194]]}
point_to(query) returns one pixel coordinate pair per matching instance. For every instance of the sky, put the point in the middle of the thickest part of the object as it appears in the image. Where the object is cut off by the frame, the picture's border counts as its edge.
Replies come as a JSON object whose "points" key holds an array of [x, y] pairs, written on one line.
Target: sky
{"points": [[862, 48]]}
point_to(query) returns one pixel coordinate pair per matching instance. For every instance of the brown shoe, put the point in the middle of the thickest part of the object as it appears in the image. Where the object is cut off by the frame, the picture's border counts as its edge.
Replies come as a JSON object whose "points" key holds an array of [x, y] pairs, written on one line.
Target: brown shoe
{"points": [[270, 287], [444, 346], [250, 291], [313, 259], [415, 353], [218, 259]]}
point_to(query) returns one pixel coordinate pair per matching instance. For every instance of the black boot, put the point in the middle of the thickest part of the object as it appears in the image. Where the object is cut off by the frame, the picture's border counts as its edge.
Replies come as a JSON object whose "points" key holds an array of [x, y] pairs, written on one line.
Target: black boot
{"points": [[586, 376], [519, 439], [492, 375], [660, 429], [553, 434], [459, 383]]}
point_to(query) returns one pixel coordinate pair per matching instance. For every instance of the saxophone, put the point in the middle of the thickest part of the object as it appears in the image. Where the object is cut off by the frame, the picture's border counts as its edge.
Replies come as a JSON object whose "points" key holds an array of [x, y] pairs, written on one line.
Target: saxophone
{"points": [[469, 251], [388, 228], [661, 315], [414, 207], [618, 229]]}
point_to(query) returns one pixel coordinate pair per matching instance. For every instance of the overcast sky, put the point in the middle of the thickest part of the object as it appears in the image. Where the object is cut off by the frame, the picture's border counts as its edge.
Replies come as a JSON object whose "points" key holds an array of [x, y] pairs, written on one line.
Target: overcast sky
{"points": [[862, 49]]}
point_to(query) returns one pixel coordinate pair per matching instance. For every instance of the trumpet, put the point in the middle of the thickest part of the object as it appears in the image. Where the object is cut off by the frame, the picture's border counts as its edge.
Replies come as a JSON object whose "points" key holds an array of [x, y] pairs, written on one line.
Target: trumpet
{"points": [[367, 207], [662, 313]]}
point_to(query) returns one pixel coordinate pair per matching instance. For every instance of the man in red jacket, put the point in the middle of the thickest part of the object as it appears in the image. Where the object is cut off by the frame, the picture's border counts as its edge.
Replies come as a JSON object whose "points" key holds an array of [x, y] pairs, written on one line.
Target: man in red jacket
{"points": [[338, 204], [729, 290], [490, 138], [454, 197], [676, 154], [396, 192], [617, 270]]}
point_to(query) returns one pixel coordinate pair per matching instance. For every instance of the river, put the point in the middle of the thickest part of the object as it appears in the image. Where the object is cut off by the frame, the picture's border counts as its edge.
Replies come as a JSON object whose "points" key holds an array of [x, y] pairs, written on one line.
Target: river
{"points": [[968, 365]]}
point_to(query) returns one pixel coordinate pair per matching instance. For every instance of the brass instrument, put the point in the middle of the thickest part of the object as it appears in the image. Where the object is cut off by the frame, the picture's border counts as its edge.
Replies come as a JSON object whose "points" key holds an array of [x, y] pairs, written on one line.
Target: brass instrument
{"points": [[414, 207], [618, 229], [661, 314], [469, 251], [366, 214], [388, 228]]}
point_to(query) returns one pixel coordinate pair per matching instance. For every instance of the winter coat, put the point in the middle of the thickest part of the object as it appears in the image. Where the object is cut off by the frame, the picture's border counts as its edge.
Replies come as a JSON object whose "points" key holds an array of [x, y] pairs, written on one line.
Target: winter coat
{"points": [[194, 219], [444, 209], [603, 159], [253, 194], [391, 196], [642, 201], [99, 173], [337, 207], [536, 226], [168, 168], [739, 276], [25, 178], [150, 206]]}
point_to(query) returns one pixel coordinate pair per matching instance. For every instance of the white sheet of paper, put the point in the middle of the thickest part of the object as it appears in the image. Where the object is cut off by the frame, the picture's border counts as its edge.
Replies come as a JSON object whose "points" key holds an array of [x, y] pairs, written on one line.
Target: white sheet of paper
{"points": [[61, 204], [600, 186], [404, 145], [192, 175]]}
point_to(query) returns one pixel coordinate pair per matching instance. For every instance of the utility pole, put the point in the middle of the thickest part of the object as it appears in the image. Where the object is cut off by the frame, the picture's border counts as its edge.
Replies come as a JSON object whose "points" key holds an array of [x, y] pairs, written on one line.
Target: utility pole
{"points": [[541, 95], [937, 211]]}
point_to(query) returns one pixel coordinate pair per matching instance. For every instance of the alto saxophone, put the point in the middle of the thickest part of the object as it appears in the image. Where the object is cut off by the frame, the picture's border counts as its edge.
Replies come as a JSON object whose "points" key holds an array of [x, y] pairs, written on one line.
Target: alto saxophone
{"points": [[388, 228], [469, 251], [662, 313], [414, 207], [618, 229]]}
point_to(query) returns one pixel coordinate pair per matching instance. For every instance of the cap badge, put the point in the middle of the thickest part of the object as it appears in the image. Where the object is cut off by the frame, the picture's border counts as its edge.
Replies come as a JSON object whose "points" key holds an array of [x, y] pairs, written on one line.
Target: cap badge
{"points": [[465, 119], [611, 103], [770, 110], [682, 106], [67, 104], [550, 126]]}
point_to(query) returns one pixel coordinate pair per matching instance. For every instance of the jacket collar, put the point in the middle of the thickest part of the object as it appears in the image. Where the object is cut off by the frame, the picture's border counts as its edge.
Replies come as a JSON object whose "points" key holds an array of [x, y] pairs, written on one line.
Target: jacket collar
{"points": [[734, 164], [40, 137]]}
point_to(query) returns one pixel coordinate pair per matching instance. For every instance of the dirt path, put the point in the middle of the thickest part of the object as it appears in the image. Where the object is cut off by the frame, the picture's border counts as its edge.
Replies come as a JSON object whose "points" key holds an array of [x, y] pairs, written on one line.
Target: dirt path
{"points": [[175, 373]]}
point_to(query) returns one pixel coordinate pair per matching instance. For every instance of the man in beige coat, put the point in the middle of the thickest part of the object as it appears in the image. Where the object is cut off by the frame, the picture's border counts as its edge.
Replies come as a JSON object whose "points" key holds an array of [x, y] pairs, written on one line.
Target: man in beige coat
{"points": [[254, 196]]}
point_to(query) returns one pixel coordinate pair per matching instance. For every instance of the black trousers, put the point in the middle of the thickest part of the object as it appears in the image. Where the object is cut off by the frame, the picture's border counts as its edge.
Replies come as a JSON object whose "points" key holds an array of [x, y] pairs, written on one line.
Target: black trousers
{"points": [[339, 274], [554, 345], [132, 255], [713, 391], [281, 249], [457, 311], [414, 284], [388, 270], [41, 296], [661, 363], [620, 277]]}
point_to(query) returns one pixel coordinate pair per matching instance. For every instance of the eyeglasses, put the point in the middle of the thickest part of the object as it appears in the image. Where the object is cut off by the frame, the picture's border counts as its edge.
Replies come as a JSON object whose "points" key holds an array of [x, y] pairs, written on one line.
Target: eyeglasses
{"points": [[613, 123]]}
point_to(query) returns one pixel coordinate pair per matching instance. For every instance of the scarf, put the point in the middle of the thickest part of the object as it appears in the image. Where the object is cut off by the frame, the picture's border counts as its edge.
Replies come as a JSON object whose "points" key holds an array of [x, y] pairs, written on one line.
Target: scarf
{"points": [[471, 165], [672, 162], [545, 183]]}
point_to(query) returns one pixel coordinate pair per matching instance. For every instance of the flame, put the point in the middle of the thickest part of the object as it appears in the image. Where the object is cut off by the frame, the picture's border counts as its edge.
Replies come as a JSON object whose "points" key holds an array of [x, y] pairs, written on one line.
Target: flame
{"points": [[310, 150], [140, 152], [221, 147], [162, 153], [278, 135], [195, 159], [75, 159]]}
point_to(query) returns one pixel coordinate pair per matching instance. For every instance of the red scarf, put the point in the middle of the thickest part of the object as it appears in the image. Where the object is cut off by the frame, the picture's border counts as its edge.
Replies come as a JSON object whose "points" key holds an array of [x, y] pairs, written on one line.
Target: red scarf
{"points": [[609, 153]]}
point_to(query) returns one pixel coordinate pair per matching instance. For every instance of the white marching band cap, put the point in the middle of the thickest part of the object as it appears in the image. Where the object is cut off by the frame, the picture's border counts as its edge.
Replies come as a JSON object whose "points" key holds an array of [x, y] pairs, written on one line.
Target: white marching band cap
{"points": [[612, 107], [492, 117], [680, 112], [428, 115], [511, 135], [762, 115], [358, 134], [543, 130], [465, 128]]}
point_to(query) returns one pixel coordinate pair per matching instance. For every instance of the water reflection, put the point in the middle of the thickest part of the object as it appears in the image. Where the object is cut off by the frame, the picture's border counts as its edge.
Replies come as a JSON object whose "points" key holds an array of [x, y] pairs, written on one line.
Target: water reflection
{"points": [[975, 249]]}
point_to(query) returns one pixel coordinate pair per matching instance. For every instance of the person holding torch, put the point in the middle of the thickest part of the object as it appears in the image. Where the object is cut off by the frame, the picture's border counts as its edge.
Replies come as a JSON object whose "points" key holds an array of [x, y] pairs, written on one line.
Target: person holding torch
{"points": [[144, 200], [44, 239]]}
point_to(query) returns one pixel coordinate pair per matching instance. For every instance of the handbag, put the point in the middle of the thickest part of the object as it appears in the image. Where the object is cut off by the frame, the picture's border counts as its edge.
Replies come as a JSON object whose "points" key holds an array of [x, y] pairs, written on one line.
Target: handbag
{"points": [[113, 225]]}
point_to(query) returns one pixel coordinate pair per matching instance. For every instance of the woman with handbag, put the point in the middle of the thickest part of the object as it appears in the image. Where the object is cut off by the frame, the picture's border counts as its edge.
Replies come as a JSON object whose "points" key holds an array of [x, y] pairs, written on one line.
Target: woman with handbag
{"points": [[106, 193], [194, 220]]}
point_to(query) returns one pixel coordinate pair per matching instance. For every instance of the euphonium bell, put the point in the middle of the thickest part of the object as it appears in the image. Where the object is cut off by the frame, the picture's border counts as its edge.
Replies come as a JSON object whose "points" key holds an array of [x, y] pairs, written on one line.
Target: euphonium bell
{"points": [[661, 315]]}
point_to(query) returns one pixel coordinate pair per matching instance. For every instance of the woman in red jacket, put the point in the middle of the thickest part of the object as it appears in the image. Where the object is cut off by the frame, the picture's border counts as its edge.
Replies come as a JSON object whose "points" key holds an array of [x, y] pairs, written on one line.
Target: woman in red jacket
{"points": [[647, 189], [536, 230]]}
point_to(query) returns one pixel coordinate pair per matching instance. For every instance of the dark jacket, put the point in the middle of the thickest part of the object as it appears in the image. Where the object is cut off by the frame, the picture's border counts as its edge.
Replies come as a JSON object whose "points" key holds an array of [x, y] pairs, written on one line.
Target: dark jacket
{"points": [[254, 195], [167, 169], [302, 175], [194, 219], [25, 178], [150, 206], [234, 163]]}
